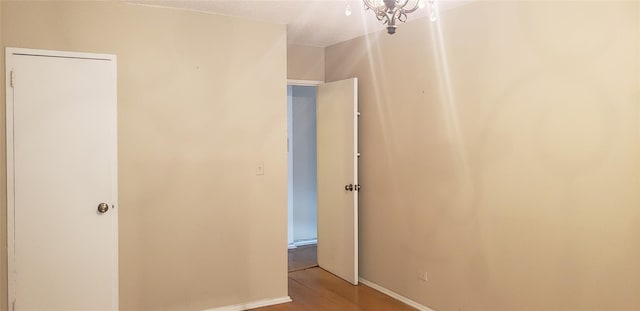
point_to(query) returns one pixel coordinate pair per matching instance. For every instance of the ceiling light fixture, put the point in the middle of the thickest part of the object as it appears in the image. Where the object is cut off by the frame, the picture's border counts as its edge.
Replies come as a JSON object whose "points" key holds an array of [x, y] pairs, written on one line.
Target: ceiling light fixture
{"points": [[391, 11]]}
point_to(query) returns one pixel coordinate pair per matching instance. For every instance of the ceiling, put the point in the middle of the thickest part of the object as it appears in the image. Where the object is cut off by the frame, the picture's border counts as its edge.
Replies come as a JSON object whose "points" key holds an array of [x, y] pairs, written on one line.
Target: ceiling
{"points": [[309, 22]]}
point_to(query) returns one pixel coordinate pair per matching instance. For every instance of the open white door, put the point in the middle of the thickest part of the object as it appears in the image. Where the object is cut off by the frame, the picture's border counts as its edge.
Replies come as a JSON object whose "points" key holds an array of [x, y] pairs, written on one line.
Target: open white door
{"points": [[62, 181], [337, 148]]}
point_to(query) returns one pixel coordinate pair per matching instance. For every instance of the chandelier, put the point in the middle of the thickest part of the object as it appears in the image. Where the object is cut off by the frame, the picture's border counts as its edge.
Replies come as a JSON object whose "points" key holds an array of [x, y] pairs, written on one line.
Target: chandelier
{"points": [[391, 11]]}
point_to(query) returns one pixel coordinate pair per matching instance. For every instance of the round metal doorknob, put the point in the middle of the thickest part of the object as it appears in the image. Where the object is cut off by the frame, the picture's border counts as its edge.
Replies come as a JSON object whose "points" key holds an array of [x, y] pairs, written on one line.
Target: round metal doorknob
{"points": [[348, 187], [103, 208]]}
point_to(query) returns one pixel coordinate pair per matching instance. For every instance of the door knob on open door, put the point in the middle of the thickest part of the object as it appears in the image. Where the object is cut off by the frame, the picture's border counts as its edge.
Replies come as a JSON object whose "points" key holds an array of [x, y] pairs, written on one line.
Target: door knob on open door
{"points": [[103, 208], [348, 187]]}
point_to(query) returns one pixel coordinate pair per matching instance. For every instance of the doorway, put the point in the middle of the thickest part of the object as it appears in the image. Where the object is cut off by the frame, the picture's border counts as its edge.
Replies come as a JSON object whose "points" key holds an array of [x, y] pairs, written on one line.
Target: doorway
{"points": [[302, 177], [328, 134]]}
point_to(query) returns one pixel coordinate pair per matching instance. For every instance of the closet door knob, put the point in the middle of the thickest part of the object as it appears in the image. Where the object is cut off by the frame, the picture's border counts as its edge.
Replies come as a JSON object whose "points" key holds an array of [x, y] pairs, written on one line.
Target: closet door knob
{"points": [[103, 208]]}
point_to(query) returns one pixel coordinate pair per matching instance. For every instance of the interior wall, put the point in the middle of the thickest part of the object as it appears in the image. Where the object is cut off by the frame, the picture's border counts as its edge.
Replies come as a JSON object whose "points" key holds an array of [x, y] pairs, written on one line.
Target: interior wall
{"points": [[500, 155], [198, 228], [304, 163], [305, 62]]}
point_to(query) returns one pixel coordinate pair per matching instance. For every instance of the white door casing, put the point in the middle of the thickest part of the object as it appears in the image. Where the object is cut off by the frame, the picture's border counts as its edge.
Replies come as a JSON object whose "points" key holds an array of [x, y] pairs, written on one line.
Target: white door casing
{"points": [[61, 163], [337, 149]]}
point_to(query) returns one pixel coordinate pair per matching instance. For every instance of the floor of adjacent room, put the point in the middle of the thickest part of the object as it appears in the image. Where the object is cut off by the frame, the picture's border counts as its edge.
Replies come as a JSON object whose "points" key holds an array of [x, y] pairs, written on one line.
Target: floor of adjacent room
{"points": [[312, 288]]}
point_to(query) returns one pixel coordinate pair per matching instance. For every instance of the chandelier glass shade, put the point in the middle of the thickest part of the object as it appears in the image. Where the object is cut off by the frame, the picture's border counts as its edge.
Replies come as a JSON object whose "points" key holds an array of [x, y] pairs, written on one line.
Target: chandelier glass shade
{"points": [[390, 12]]}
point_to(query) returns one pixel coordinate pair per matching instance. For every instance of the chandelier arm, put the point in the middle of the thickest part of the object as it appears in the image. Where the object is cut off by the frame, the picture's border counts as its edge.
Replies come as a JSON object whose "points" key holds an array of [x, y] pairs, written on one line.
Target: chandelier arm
{"points": [[413, 9], [402, 17], [391, 19], [369, 5], [383, 17], [401, 6]]}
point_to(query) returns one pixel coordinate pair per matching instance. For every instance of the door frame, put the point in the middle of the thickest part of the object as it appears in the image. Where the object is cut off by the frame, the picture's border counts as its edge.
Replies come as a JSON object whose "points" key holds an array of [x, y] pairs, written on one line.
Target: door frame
{"points": [[356, 115], [9, 78], [293, 82]]}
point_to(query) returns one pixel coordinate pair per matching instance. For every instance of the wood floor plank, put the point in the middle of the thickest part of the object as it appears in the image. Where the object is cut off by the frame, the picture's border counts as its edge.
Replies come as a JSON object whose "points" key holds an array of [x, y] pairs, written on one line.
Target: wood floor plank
{"points": [[303, 257], [318, 290]]}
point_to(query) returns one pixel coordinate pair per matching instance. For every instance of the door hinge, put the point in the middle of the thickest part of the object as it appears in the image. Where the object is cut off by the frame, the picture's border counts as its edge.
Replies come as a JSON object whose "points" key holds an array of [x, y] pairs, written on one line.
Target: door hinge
{"points": [[11, 78]]}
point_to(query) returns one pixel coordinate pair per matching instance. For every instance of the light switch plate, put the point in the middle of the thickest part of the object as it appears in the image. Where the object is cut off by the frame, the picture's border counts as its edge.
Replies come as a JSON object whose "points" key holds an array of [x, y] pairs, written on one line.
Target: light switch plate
{"points": [[260, 168]]}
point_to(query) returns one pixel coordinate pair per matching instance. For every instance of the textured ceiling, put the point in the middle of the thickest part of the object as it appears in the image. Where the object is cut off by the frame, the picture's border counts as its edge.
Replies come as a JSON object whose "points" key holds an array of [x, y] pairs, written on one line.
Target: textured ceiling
{"points": [[309, 22]]}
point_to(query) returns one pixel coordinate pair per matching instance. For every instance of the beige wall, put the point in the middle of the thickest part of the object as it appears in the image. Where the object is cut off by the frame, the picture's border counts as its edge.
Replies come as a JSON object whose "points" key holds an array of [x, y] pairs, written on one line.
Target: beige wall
{"points": [[305, 63], [198, 228], [510, 172]]}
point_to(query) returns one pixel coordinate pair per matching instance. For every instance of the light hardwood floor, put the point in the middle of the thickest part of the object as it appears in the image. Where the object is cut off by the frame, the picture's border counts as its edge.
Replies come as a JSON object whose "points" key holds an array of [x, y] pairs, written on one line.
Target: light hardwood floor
{"points": [[317, 290], [303, 257]]}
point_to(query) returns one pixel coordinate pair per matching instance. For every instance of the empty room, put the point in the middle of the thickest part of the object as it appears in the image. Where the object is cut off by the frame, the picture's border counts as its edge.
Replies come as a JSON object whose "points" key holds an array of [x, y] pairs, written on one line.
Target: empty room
{"points": [[434, 155]]}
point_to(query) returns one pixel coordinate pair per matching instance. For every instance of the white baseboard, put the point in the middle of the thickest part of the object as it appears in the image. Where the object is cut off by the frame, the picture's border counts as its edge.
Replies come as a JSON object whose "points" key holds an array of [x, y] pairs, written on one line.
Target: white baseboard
{"points": [[253, 304], [302, 243], [395, 295], [304, 82]]}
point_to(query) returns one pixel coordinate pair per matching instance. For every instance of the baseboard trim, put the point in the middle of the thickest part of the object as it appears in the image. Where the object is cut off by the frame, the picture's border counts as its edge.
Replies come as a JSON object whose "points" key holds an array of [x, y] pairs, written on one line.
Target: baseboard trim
{"points": [[304, 82], [395, 295], [253, 304], [302, 243]]}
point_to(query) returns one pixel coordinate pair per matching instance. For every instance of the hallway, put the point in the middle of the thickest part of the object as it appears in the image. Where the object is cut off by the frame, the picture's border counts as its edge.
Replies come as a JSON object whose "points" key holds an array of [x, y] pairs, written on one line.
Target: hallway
{"points": [[303, 257]]}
